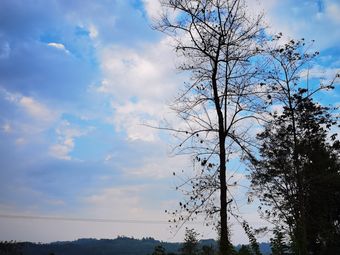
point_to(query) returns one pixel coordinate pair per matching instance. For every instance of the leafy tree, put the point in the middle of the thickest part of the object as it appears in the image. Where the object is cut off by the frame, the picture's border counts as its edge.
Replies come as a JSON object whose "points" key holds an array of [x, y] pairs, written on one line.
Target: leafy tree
{"points": [[219, 45], [284, 177], [11, 247], [244, 250], [278, 244], [190, 245], [159, 250], [208, 250], [254, 246], [277, 179]]}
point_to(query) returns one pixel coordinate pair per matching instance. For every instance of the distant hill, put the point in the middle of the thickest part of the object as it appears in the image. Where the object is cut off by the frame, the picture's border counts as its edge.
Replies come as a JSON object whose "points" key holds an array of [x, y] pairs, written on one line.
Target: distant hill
{"points": [[118, 246]]}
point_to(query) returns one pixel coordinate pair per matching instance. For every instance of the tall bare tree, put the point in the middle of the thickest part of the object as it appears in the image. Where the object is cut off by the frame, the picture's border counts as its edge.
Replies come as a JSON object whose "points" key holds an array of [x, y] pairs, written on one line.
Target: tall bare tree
{"points": [[217, 43]]}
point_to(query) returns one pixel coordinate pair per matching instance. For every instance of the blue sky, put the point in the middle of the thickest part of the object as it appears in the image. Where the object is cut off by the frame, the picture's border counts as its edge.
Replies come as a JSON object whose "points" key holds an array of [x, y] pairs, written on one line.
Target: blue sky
{"points": [[77, 81]]}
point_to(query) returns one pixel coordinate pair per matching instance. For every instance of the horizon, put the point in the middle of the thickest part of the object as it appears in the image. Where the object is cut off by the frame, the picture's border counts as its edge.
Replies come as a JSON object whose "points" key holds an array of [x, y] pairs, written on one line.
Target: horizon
{"points": [[122, 237]]}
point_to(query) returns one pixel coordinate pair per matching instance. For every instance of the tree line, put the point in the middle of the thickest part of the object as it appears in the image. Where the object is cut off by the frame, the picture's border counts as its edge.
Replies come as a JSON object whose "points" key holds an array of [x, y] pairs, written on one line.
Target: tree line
{"points": [[191, 246], [249, 96]]}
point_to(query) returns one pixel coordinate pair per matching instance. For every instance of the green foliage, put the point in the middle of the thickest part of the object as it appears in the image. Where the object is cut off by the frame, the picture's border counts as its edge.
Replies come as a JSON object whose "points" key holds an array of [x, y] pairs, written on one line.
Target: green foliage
{"points": [[244, 250], [299, 154], [277, 243], [159, 250], [12, 248], [314, 180], [207, 250], [119, 246], [190, 245], [254, 246]]}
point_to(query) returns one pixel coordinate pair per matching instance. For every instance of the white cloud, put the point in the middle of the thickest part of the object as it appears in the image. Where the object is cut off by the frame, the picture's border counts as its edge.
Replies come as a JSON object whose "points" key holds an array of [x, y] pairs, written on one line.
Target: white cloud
{"points": [[130, 202], [333, 10], [31, 118], [61, 150], [66, 135], [36, 109], [55, 202], [122, 202], [138, 72], [161, 167], [5, 49], [140, 81], [108, 157], [58, 46], [6, 128], [20, 141], [153, 8], [9, 96], [320, 72], [258, 7], [133, 118], [32, 107], [93, 31], [304, 20]]}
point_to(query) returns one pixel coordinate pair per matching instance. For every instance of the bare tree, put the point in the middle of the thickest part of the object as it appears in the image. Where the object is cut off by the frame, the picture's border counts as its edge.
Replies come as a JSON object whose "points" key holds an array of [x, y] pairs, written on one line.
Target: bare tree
{"points": [[218, 45]]}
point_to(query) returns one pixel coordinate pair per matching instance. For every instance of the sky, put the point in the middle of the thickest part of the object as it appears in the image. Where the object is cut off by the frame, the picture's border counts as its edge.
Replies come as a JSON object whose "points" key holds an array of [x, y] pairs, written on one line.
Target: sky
{"points": [[80, 81]]}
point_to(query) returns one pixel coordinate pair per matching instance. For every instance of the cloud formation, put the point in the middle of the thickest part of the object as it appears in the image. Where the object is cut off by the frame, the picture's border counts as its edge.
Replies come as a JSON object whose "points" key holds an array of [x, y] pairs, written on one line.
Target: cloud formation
{"points": [[58, 46], [140, 84], [306, 19]]}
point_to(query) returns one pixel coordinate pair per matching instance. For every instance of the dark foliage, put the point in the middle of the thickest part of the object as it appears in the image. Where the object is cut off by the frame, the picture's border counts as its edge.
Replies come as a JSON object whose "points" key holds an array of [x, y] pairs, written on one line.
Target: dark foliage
{"points": [[159, 250], [10, 248], [118, 246], [278, 243], [244, 250], [277, 175], [190, 245]]}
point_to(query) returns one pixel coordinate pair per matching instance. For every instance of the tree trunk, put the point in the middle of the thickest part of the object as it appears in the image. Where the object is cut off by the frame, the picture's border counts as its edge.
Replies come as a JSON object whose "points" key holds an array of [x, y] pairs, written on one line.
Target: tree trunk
{"points": [[301, 222], [224, 242], [224, 238]]}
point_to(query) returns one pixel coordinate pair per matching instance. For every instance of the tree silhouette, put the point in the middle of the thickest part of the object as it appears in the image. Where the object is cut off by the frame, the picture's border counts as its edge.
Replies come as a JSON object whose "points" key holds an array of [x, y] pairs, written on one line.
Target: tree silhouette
{"points": [[190, 245], [219, 45], [11, 247], [278, 243], [282, 147], [244, 250], [208, 250], [159, 250], [277, 181]]}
